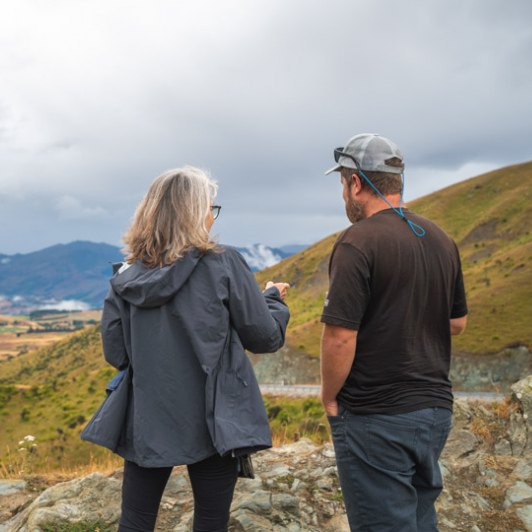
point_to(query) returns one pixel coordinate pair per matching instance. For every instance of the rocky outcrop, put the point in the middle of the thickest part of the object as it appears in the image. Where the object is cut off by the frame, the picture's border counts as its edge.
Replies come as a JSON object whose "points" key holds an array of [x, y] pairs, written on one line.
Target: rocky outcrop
{"points": [[486, 465], [86, 499], [286, 366], [491, 373], [470, 373], [296, 489], [10, 487]]}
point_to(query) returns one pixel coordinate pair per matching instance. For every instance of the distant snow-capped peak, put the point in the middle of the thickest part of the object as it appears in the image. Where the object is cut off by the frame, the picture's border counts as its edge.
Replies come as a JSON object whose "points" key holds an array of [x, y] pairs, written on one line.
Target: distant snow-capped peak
{"points": [[259, 256]]}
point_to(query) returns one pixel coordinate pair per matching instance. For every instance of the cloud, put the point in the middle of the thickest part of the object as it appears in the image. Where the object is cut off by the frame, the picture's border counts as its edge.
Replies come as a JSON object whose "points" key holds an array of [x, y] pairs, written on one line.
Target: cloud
{"points": [[258, 92], [70, 208], [66, 304]]}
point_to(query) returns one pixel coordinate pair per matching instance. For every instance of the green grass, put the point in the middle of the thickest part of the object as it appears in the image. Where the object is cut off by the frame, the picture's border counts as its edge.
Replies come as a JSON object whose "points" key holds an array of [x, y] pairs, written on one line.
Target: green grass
{"points": [[50, 394], [12, 329], [307, 274], [294, 418]]}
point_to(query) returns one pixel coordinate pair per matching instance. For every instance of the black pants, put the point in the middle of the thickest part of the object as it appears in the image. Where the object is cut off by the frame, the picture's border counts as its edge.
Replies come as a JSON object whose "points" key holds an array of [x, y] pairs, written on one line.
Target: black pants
{"points": [[213, 483]]}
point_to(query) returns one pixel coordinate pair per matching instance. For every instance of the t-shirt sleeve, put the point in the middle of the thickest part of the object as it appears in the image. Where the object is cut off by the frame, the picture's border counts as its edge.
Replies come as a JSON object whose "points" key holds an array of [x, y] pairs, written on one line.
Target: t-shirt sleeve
{"points": [[349, 288], [459, 308], [459, 304]]}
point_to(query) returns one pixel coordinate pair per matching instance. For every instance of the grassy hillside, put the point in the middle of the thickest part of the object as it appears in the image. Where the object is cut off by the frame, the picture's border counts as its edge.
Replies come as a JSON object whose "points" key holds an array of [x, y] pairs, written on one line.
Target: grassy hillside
{"points": [[307, 274], [49, 394], [490, 217]]}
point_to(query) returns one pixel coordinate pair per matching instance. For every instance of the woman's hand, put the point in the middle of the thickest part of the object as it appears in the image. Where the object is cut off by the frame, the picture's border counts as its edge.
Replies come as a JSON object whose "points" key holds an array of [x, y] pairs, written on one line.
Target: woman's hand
{"points": [[282, 287]]}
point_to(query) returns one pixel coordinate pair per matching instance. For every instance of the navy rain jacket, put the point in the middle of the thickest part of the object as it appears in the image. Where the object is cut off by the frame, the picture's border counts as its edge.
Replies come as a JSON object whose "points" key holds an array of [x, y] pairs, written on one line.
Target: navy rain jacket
{"points": [[182, 331]]}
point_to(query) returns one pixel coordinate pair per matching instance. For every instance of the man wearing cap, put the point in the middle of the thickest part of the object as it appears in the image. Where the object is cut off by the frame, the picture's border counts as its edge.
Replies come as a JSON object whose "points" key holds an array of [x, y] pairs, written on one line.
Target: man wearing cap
{"points": [[396, 295]]}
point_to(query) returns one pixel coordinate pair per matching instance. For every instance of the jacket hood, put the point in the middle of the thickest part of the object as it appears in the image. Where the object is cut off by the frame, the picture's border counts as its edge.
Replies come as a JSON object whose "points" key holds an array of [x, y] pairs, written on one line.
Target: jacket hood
{"points": [[152, 287]]}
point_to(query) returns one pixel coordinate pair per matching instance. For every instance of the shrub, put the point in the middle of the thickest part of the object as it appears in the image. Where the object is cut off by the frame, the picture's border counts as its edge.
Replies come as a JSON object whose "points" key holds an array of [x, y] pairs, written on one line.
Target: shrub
{"points": [[292, 418]]}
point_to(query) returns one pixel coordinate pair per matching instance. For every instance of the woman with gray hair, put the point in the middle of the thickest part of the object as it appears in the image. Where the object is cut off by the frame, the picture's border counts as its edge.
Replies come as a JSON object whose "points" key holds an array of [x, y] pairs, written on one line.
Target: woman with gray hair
{"points": [[180, 313]]}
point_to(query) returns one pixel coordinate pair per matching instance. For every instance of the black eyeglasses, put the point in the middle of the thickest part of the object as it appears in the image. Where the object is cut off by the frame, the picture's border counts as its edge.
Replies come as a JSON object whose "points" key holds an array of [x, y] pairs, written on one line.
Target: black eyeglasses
{"points": [[215, 211], [339, 152]]}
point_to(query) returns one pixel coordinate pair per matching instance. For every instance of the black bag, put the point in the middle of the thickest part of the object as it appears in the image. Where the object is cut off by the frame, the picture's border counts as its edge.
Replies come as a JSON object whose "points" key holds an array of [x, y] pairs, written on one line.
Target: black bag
{"points": [[245, 466]]}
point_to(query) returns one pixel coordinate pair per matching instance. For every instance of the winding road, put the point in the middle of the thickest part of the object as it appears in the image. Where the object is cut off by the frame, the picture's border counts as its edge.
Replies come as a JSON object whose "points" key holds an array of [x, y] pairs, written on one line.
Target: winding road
{"points": [[314, 390]]}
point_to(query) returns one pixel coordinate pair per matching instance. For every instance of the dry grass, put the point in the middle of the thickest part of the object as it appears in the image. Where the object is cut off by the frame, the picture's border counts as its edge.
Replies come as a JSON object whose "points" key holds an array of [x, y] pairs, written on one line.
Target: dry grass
{"points": [[16, 465], [319, 435], [11, 345], [490, 424]]}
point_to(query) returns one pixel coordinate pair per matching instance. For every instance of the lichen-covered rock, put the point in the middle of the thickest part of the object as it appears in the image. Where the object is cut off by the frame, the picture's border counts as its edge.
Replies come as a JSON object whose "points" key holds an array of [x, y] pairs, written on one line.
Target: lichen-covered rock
{"points": [[523, 469], [525, 514], [518, 434], [518, 493], [460, 444], [86, 499], [522, 393], [10, 487]]}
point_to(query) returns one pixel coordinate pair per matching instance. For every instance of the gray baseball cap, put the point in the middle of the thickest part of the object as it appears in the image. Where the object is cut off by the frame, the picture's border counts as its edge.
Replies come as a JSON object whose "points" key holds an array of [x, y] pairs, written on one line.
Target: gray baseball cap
{"points": [[370, 151]]}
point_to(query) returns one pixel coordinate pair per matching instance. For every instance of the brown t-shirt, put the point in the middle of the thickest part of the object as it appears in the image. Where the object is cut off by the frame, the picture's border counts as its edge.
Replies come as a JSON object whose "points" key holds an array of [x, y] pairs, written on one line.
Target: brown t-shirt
{"points": [[398, 290]]}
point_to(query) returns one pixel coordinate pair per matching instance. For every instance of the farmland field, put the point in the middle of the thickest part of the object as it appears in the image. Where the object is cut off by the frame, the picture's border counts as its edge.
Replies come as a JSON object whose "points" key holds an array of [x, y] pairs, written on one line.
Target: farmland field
{"points": [[22, 334]]}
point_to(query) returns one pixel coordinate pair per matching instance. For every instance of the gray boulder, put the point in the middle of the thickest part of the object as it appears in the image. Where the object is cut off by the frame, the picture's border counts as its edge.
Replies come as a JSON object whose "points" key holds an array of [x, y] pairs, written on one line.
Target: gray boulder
{"points": [[86, 499]]}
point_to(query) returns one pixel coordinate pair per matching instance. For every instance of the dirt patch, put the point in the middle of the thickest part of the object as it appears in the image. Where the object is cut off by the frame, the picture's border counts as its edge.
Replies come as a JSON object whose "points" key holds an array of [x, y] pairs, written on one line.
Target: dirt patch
{"points": [[485, 231], [482, 253]]}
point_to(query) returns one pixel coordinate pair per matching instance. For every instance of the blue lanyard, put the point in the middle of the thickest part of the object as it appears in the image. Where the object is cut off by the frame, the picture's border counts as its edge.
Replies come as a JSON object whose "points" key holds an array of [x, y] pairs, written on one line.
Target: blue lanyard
{"points": [[416, 229]]}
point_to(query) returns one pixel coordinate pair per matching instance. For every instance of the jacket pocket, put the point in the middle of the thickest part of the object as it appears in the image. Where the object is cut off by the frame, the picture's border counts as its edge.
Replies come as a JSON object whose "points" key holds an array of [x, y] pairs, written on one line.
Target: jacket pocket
{"points": [[106, 426]]}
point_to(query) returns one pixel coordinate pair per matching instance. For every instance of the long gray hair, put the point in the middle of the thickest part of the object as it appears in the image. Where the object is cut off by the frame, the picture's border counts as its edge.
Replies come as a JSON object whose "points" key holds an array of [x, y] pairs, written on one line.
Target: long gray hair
{"points": [[171, 218]]}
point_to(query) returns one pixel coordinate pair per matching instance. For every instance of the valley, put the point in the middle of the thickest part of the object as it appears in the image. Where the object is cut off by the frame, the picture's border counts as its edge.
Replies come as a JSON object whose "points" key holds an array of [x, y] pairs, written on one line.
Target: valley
{"points": [[22, 334]]}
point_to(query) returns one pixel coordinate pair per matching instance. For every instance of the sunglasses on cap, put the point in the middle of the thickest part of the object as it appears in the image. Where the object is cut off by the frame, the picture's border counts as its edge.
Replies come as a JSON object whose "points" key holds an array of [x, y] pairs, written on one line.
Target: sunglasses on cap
{"points": [[339, 152]]}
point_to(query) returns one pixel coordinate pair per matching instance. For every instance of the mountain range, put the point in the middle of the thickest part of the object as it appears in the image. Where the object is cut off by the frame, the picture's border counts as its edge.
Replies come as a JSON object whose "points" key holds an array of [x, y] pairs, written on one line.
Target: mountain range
{"points": [[77, 272], [76, 275]]}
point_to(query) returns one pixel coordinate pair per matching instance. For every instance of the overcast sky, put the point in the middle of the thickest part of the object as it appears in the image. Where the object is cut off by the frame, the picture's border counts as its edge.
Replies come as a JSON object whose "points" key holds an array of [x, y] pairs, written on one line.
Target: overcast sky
{"points": [[98, 98]]}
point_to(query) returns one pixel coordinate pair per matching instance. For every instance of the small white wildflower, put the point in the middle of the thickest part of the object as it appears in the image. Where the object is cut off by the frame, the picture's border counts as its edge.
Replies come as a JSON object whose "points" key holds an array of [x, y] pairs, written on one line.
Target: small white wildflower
{"points": [[525, 416], [21, 442], [29, 437], [34, 445], [22, 449], [519, 395]]}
